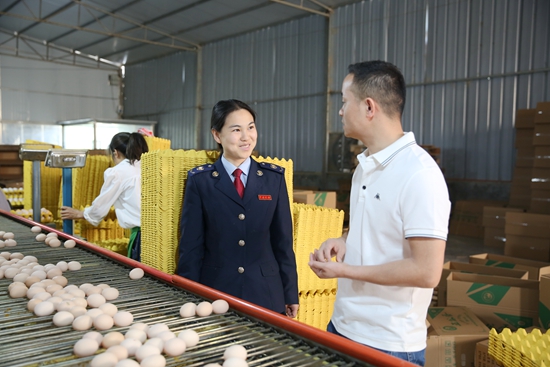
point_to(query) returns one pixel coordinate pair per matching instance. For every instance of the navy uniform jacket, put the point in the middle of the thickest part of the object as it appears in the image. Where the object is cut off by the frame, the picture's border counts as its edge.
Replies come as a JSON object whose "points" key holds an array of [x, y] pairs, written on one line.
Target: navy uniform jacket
{"points": [[242, 247]]}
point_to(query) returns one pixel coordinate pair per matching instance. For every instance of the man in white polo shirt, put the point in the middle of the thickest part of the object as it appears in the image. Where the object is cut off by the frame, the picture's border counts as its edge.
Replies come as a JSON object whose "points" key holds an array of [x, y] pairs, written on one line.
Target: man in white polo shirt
{"points": [[392, 256]]}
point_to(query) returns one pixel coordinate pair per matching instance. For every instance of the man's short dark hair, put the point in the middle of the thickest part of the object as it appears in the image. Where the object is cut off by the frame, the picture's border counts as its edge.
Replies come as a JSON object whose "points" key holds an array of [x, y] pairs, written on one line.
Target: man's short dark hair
{"points": [[381, 81]]}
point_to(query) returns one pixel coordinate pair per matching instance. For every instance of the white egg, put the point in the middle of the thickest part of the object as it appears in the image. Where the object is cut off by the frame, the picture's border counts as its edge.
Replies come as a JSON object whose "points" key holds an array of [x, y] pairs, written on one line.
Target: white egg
{"points": [[55, 301], [44, 308], [19, 291], [145, 351], [94, 312], [95, 300], [48, 267], [21, 277], [83, 322], [190, 337], [103, 322], [235, 351], [140, 326], [52, 288], [41, 274], [157, 342], [9, 273], [188, 309], [204, 309], [136, 273], [127, 363], [93, 335], [63, 265], [8, 235], [212, 365], [136, 334], [43, 295], [52, 234], [63, 318], [74, 265], [104, 360], [61, 280], [16, 255], [70, 287], [157, 360], [85, 347], [32, 304], [110, 293], [131, 346], [103, 286], [78, 293], [64, 306], [112, 338], [166, 335], [69, 244], [156, 329], [49, 239], [10, 243], [119, 351], [52, 273], [40, 237], [220, 306], [109, 309], [36, 229], [92, 290], [235, 362], [174, 347], [78, 311], [123, 318], [59, 293]]}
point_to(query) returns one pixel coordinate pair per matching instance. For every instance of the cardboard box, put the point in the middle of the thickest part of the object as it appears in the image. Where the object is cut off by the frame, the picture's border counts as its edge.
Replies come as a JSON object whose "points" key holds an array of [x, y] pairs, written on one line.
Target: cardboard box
{"points": [[541, 134], [532, 248], [483, 359], [452, 336], [319, 198], [525, 156], [494, 216], [540, 202], [467, 217], [525, 118], [494, 237], [535, 268], [465, 229], [527, 224], [544, 302], [500, 302], [524, 138], [542, 114], [541, 156], [540, 178], [453, 266]]}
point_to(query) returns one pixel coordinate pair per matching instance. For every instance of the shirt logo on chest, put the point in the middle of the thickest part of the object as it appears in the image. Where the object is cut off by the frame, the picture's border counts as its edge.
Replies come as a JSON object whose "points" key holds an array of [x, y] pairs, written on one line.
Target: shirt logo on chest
{"points": [[377, 196]]}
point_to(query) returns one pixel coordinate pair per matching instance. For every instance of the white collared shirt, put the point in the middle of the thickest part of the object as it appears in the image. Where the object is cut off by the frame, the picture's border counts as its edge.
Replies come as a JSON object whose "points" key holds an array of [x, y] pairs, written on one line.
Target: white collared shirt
{"points": [[397, 193], [121, 189]]}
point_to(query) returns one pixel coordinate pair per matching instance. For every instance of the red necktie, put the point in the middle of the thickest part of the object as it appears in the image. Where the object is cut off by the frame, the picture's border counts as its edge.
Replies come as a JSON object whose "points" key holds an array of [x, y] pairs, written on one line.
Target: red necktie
{"points": [[238, 183]]}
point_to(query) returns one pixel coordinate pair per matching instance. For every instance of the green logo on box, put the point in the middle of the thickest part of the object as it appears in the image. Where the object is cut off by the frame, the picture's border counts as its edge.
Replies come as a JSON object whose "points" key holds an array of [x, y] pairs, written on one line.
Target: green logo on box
{"points": [[487, 295], [544, 316], [434, 311], [320, 198], [516, 321]]}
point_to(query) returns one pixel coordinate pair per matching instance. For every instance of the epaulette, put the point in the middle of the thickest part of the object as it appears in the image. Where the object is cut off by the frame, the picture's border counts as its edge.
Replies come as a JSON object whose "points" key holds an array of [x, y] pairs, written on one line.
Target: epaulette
{"points": [[272, 167], [200, 169]]}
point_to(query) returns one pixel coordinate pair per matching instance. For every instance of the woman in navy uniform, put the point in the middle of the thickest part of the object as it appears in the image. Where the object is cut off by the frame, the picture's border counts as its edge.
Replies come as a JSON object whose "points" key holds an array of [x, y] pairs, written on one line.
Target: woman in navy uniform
{"points": [[239, 245]]}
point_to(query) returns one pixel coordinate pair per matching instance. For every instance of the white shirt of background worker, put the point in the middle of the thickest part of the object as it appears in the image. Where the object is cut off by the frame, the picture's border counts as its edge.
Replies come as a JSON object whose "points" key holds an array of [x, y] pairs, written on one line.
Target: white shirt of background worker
{"points": [[392, 256]]}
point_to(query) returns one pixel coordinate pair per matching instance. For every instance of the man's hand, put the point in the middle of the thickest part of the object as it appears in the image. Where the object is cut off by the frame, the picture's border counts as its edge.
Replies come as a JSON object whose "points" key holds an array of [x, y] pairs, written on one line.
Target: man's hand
{"points": [[292, 310], [330, 248], [70, 213]]}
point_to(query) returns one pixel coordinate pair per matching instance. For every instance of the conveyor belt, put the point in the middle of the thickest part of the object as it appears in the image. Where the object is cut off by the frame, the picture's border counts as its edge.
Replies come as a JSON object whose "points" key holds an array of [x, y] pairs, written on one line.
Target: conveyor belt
{"points": [[270, 339]]}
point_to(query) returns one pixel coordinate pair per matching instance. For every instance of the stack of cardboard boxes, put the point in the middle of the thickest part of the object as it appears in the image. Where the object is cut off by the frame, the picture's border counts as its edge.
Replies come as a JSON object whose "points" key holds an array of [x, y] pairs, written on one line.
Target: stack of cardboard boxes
{"points": [[467, 217], [540, 181], [491, 291]]}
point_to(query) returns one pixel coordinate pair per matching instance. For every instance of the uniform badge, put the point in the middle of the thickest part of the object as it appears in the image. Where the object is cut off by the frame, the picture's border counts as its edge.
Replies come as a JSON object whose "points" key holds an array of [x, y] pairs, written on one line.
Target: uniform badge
{"points": [[264, 197], [215, 174], [200, 168], [259, 173]]}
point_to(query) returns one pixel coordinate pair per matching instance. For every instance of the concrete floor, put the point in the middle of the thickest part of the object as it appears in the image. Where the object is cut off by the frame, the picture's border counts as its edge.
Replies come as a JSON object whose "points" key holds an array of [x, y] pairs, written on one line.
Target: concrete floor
{"points": [[459, 248]]}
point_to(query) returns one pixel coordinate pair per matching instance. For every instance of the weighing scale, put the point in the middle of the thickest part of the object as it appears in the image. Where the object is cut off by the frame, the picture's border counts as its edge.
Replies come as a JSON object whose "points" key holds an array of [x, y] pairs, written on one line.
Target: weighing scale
{"points": [[67, 159], [35, 153]]}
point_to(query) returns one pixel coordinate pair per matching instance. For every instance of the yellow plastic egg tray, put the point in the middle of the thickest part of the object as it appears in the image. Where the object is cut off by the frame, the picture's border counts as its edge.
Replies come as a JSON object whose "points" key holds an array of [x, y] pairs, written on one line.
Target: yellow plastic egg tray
{"points": [[316, 307], [312, 226], [156, 143], [520, 348]]}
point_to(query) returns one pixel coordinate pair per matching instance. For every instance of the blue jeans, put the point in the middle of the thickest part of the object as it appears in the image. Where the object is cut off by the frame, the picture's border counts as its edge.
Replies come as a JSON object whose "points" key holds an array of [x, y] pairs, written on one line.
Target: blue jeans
{"points": [[418, 358]]}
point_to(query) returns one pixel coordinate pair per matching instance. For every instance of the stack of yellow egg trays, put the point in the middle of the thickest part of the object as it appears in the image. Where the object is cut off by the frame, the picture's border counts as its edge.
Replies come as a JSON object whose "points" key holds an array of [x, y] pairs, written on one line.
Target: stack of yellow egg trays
{"points": [[520, 348], [155, 143], [312, 226], [50, 182]]}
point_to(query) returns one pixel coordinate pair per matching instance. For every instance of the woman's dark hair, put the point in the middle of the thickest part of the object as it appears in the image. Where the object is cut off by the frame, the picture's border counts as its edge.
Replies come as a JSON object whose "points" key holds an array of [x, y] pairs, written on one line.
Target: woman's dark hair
{"points": [[132, 145], [223, 108]]}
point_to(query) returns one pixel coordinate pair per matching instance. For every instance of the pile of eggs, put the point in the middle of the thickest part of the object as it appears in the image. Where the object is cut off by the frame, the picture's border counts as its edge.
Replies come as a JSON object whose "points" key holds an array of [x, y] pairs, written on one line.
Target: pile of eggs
{"points": [[7, 239], [88, 306]]}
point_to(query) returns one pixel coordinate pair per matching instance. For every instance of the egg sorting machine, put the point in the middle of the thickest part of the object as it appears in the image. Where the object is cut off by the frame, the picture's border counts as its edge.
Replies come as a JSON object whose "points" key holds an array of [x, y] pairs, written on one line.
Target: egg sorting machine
{"points": [[270, 339]]}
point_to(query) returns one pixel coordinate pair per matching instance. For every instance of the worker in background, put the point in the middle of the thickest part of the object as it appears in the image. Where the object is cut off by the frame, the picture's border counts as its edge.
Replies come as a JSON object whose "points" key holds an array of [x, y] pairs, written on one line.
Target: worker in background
{"points": [[236, 225], [4, 202], [121, 189], [392, 256]]}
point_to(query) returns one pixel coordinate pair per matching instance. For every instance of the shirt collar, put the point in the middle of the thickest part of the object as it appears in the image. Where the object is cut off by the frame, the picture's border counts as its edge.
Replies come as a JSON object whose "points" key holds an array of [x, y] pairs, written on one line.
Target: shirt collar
{"points": [[230, 167], [385, 156]]}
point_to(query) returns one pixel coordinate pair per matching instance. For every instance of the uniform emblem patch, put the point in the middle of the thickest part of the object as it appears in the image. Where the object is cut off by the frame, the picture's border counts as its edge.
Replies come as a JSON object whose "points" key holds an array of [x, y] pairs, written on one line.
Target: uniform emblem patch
{"points": [[264, 197]]}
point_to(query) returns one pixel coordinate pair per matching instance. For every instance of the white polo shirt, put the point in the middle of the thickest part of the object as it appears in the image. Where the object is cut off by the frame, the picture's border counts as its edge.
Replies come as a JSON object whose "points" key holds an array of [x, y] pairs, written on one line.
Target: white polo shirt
{"points": [[121, 189], [396, 194]]}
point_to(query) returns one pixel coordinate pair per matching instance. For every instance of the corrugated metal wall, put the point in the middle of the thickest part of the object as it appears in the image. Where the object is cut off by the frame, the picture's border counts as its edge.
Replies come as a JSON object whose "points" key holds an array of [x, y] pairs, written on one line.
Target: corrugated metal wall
{"points": [[281, 72], [469, 65], [34, 95], [164, 90]]}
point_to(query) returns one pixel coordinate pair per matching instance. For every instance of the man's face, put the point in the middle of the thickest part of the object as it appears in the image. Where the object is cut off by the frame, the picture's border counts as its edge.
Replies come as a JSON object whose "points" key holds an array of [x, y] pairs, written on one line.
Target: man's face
{"points": [[352, 109]]}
